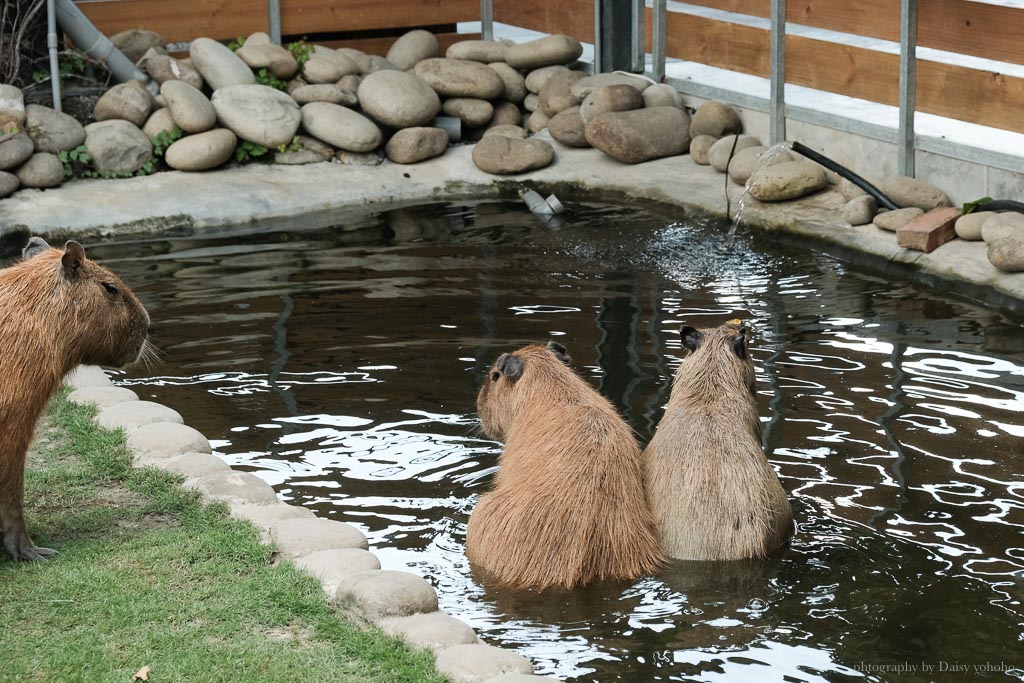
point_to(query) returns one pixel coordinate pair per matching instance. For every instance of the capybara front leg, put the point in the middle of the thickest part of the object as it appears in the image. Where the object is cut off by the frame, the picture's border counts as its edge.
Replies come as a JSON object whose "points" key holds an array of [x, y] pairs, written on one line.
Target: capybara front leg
{"points": [[16, 538]]}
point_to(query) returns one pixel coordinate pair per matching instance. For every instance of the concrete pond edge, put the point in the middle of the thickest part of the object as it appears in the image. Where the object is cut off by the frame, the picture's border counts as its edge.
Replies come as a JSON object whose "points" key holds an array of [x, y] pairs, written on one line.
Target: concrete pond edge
{"points": [[401, 603]]}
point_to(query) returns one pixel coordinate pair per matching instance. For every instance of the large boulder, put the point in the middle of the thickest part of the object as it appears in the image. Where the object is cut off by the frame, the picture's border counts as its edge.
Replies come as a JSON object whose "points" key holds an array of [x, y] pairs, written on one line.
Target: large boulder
{"points": [[15, 150], [398, 99], [568, 128], [219, 66], [413, 47], [515, 84], [12, 103], [117, 146], [635, 136], [716, 119], [461, 78], [611, 98], [906, 192], [258, 113], [504, 155], [556, 94], [52, 131], [43, 170], [163, 68], [202, 151], [557, 49], [785, 181], [136, 42], [486, 51], [413, 145], [343, 128], [189, 108]]}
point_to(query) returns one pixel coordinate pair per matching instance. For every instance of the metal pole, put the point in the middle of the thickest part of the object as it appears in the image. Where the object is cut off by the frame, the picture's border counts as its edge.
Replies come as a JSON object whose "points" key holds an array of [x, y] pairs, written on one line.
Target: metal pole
{"points": [[487, 19], [51, 44], [598, 65], [274, 18], [777, 113], [659, 38], [908, 85], [639, 36]]}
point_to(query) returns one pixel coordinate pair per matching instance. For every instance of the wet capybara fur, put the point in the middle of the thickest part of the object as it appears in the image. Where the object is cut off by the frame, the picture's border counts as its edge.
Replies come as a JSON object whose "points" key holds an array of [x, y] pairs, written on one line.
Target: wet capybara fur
{"points": [[713, 493], [57, 310], [568, 505]]}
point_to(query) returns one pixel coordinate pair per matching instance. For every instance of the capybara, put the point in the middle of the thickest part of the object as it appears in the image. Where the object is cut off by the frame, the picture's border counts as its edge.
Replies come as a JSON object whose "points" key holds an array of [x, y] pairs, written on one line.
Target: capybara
{"points": [[713, 494], [57, 310], [568, 505]]}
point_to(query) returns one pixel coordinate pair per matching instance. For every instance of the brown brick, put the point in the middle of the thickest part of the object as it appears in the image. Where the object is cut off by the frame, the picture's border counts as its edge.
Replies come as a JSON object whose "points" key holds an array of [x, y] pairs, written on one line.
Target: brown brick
{"points": [[930, 230]]}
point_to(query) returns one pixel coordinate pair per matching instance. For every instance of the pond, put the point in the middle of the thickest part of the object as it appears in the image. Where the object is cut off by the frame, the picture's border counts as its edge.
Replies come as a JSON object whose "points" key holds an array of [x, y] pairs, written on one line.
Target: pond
{"points": [[341, 364]]}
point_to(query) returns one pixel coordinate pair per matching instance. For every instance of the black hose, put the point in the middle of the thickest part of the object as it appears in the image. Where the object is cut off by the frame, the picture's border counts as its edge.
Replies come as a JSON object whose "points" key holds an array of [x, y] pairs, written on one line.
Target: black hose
{"points": [[882, 200], [1001, 205]]}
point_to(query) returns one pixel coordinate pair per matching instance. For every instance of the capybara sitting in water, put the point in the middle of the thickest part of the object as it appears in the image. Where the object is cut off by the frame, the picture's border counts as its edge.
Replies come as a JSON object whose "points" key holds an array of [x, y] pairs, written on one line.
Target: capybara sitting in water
{"points": [[713, 494], [57, 310], [568, 504]]}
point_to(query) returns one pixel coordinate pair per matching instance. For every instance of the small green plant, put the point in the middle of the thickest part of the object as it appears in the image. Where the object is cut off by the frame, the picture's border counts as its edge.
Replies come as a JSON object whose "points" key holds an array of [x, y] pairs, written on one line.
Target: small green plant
{"points": [[294, 146], [237, 43], [263, 77], [75, 161], [165, 139], [301, 50], [247, 151], [971, 206], [71, 64]]}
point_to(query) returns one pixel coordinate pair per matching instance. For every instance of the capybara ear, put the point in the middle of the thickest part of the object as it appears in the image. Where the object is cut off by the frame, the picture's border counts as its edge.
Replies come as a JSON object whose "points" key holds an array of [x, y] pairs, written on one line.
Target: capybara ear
{"points": [[561, 353], [510, 366], [739, 342], [691, 337], [74, 257], [35, 247]]}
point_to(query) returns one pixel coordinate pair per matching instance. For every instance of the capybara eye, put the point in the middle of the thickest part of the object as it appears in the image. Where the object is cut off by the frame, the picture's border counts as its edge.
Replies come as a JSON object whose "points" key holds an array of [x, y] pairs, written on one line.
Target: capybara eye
{"points": [[495, 376], [111, 288]]}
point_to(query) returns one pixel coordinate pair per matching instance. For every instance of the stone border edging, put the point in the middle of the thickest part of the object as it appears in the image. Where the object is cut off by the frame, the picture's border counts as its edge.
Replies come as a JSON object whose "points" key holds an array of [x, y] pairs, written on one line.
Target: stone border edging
{"points": [[401, 603]]}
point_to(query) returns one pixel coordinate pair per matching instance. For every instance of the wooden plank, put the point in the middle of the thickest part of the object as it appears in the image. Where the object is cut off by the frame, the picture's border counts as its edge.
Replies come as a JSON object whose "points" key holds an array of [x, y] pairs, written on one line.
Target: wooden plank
{"points": [[381, 45], [572, 17], [299, 17], [178, 21], [961, 26], [717, 43]]}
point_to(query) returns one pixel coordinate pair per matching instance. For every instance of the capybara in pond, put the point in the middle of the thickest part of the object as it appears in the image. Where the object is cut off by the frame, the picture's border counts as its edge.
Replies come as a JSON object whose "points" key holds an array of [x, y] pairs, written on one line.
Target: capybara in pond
{"points": [[57, 310], [568, 504], [713, 494]]}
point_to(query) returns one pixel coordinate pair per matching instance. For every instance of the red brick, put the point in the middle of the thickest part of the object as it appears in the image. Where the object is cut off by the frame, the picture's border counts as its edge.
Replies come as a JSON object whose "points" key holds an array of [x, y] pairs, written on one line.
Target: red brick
{"points": [[930, 230]]}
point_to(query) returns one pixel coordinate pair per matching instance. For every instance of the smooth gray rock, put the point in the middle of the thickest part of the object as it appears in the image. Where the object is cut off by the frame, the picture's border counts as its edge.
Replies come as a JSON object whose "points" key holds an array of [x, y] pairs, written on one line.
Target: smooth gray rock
{"points": [[546, 51], [325, 92], [87, 376], [413, 145], [330, 567], [894, 220], [906, 192], [341, 127], [296, 537], [700, 146], [531, 103], [163, 68], [277, 60], [233, 487], [381, 594], [1002, 224], [133, 414], [968, 227], [194, 465], [716, 119], [747, 160], [12, 103], [1007, 252], [515, 84], [503, 156], [42, 170], [589, 84], [505, 114], [202, 151], [189, 108], [311, 151], [398, 99], [478, 662], [718, 154], [556, 94], [611, 98], [567, 127], [134, 43], [9, 184], [219, 66], [129, 101], [785, 181], [860, 210], [434, 630], [258, 113], [166, 440], [413, 47], [536, 79], [662, 95], [102, 396], [158, 122], [52, 131], [265, 516], [15, 150], [461, 78], [486, 51], [641, 135], [117, 146], [472, 112], [328, 67]]}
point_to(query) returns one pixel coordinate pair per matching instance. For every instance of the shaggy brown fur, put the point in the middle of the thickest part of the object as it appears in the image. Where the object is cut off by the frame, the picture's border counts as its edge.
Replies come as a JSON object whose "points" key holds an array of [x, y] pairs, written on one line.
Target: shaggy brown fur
{"points": [[710, 487], [57, 310], [568, 504]]}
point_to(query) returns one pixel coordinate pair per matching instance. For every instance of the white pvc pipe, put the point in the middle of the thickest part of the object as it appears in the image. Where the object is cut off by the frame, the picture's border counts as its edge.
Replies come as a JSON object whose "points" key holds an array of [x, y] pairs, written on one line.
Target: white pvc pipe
{"points": [[51, 45]]}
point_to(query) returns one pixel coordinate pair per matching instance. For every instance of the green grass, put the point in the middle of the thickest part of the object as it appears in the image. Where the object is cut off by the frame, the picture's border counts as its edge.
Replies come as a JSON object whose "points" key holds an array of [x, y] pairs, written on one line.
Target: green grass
{"points": [[149, 576]]}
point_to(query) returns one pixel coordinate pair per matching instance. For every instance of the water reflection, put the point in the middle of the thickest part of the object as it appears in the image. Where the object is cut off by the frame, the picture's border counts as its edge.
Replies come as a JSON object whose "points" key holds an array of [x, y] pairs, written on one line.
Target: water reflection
{"points": [[340, 363]]}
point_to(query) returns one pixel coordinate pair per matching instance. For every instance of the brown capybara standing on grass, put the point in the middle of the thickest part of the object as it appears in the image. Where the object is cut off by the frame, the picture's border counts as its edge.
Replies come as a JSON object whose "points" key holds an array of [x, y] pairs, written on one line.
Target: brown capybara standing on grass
{"points": [[57, 311], [713, 494], [568, 504]]}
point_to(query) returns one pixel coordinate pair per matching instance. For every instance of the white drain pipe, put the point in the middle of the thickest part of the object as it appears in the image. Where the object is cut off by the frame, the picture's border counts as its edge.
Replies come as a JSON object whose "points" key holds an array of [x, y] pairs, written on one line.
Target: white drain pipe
{"points": [[51, 45]]}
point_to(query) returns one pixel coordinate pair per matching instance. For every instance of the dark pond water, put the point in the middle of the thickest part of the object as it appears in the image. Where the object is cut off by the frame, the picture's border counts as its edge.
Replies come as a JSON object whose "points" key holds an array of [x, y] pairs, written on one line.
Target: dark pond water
{"points": [[341, 365]]}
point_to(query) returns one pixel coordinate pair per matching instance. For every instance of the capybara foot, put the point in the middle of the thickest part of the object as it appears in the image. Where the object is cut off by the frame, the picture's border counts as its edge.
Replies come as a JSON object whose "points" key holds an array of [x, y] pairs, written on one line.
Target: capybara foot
{"points": [[28, 552]]}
